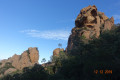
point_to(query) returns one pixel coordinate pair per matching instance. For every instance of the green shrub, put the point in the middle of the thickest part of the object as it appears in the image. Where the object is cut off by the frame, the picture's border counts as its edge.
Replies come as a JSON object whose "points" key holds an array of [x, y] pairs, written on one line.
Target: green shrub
{"points": [[35, 73], [50, 70], [8, 65]]}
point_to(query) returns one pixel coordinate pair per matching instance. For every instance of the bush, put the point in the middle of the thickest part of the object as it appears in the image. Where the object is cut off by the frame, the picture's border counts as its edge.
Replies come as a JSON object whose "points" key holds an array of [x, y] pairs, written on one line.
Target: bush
{"points": [[35, 73]]}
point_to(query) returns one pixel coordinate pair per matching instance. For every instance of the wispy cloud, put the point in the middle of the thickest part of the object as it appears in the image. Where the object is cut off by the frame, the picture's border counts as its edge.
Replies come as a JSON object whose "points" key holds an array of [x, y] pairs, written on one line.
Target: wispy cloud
{"points": [[31, 31], [54, 34]]}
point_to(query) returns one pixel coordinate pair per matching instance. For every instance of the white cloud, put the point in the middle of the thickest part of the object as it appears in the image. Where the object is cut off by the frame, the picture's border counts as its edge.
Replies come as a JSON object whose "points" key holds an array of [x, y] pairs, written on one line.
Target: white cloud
{"points": [[32, 31], [116, 17], [54, 34]]}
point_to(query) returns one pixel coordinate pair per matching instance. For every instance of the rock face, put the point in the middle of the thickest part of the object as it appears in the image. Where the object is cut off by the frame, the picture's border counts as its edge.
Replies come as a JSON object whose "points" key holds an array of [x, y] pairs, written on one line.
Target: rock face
{"points": [[18, 62], [34, 55], [88, 24], [10, 70], [27, 58], [57, 51]]}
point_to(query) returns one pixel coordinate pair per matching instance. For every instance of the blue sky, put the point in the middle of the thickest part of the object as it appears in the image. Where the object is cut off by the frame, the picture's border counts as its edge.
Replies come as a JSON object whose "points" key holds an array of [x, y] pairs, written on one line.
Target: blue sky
{"points": [[43, 23]]}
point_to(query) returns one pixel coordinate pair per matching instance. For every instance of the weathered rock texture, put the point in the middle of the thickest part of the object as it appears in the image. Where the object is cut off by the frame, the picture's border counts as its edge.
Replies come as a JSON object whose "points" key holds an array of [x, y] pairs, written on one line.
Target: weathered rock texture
{"points": [[88, 24], [18, 62], [57, 51], [10, 70]]}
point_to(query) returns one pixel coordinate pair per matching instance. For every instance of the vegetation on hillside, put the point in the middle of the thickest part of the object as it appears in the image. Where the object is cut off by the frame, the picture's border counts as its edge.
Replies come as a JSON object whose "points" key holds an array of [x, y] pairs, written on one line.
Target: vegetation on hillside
{"points": [[7, 66]]}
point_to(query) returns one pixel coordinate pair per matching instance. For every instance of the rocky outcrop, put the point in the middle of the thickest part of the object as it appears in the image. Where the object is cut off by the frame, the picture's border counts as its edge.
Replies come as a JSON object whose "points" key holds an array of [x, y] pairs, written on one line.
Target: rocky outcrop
{"points": [[88, 24], [34, 55], [18, 62], [57, 51], [27, 58], [10, 70]]}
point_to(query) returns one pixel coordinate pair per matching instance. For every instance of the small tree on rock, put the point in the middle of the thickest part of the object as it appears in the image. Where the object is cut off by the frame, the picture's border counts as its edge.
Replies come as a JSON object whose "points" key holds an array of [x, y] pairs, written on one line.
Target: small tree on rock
{"points": [[43, 60], [60, 45]]}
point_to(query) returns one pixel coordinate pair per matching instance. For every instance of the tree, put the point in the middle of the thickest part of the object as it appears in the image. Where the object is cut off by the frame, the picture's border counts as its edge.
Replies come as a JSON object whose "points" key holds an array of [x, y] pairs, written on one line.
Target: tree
{"points": [[43, 60], [60, 45]]}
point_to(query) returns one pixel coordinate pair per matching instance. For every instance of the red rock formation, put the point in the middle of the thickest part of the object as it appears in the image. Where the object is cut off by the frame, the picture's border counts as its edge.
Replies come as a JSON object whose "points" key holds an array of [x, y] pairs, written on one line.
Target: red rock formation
{"points": [[57, 51], [26, 59], [89, 23], [34, 55]]}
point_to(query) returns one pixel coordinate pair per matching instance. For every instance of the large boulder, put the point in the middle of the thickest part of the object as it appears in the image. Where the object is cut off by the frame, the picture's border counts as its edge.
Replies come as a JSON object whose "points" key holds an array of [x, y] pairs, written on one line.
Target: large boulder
{"points": [[24, 61], [57, 51], [16, 61], [108, 24], [34, 55], [88, 24]]}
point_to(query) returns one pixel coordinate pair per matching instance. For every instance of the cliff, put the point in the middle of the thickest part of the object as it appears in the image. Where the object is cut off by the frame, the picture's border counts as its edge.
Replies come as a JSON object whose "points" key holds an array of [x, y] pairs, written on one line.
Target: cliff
{"points": [[88, 24]]}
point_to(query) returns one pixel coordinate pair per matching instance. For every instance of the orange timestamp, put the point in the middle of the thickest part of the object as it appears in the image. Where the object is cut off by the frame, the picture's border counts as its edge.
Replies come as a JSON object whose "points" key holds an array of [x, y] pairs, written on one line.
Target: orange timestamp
{"points": [[103, 71]]}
